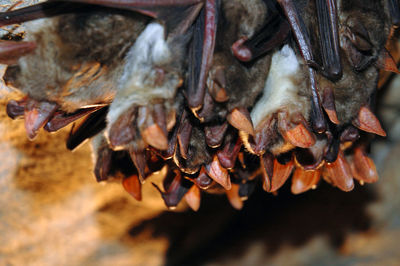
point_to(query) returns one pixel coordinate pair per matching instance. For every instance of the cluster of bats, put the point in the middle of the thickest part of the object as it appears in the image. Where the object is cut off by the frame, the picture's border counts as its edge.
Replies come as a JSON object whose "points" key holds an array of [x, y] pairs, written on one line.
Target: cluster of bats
{"points": [[226, 93]]}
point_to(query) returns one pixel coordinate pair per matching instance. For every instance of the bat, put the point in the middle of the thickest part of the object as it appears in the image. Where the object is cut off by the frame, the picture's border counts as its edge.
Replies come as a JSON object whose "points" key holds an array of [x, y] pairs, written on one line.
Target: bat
{"points": [[221, 92]]}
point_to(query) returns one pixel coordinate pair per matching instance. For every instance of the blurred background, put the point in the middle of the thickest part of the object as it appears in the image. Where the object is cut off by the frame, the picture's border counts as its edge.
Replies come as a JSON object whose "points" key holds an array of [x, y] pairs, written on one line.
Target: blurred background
{"points": [[52, 211]]}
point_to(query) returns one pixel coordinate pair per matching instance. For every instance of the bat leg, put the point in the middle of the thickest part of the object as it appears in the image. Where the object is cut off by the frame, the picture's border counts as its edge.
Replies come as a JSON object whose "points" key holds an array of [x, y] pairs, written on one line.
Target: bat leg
{"points": [[303, 41], [178, 15], [201, 52], [299, 31], [11, 51], [273, 34], [329, 39], [317, 115], [41, 10], [61, 119]]}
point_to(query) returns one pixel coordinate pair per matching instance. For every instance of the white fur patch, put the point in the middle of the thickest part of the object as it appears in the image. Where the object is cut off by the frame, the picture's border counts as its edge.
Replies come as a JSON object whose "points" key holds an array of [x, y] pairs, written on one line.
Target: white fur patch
{"points": [[280, 88], [136, 85]]}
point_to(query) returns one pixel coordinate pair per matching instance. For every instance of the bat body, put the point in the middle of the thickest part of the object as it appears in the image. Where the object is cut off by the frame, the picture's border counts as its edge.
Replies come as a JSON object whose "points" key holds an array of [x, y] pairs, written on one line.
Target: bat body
{"points": [[151, 75], [69, 68]]}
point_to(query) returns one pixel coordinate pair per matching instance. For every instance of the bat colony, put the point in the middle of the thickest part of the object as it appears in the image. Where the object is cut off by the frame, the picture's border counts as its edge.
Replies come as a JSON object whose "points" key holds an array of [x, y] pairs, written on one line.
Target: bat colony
{"points": [[226, 93]]}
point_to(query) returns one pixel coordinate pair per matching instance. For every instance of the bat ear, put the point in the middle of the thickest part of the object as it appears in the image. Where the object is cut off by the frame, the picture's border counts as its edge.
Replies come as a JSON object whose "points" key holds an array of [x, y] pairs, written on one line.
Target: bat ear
{"points": [[61, 119], [367, 121], [218, 173], [133, 186], [175, 188], [193, 198], [339, 173], [304, 180], [36, 115]]}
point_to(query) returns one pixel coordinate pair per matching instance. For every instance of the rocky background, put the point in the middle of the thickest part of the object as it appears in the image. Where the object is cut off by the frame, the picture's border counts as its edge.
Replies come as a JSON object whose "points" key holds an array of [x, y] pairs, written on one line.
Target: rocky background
{"points": [[52, 212]]}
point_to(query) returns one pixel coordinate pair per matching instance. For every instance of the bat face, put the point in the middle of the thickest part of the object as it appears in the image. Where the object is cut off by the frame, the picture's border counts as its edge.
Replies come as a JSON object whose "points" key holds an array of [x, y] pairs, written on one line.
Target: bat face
{"points": [[221, 92]]}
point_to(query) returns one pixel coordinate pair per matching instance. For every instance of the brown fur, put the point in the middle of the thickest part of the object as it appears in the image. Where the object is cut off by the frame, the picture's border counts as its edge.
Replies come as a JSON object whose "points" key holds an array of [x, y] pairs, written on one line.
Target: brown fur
{"points": [[65, 45], [353, 90], [244, 82]]}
